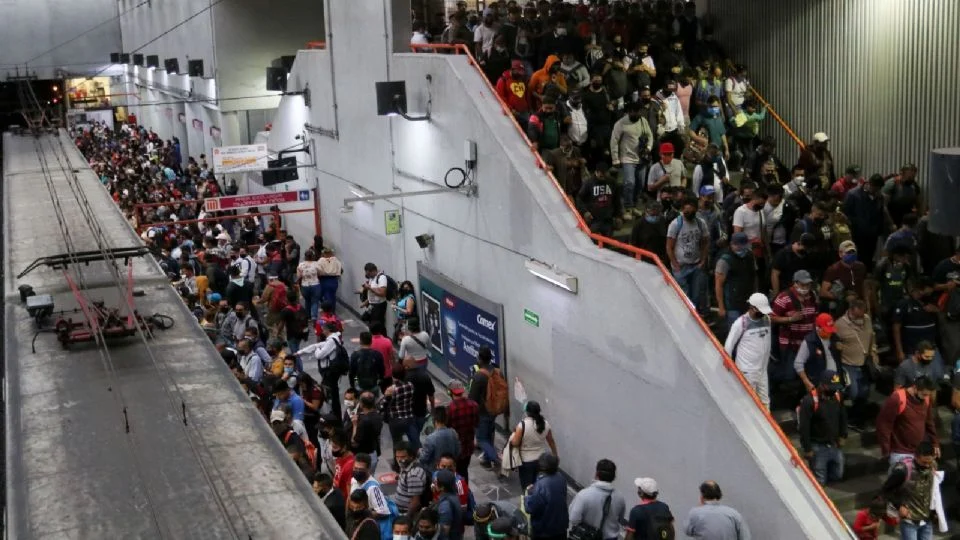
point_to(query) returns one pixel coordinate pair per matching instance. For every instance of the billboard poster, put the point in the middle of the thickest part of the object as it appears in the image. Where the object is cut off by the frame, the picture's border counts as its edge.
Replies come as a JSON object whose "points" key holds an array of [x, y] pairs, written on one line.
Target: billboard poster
{"points": [[250, 157], [459, 322]]}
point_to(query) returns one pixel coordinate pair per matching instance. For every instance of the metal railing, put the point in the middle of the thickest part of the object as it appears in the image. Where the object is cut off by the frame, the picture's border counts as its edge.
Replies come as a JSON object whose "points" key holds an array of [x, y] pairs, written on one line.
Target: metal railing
{"points": [[642, 255]]}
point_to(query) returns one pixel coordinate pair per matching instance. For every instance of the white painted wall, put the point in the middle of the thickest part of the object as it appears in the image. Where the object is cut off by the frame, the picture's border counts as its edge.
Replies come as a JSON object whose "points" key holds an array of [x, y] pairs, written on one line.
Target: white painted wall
{"points": [[47, 35], [191, 39], [622, 369]]}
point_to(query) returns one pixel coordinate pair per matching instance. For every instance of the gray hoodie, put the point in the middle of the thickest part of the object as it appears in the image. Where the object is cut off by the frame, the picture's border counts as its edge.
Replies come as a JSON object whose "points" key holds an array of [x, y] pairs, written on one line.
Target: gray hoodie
{"points": [[587, 507]]}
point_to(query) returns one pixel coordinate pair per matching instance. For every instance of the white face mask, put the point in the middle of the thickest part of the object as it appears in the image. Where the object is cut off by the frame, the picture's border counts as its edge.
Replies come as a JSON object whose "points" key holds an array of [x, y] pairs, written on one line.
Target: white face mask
{"points": [[401, 537], [348, 404]]}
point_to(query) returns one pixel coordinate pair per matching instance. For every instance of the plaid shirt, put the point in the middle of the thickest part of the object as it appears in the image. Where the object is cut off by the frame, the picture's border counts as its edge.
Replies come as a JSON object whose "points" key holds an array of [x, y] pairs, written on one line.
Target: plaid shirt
{"points": [[792, 334], [463, 415], [400, 404]]}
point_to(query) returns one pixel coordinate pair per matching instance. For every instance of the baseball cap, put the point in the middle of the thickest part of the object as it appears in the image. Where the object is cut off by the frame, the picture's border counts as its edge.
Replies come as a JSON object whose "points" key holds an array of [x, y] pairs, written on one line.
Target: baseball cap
{"points": [[821, 137], [853, 169], [214, 298], [707, 190], [759, 301], [666, 148], [802, 276], [824, 322], [831, 378], [807, 239], [456, 387], [223, 236], [739, 238], [646, 485], [277, 416], [847, 245]]}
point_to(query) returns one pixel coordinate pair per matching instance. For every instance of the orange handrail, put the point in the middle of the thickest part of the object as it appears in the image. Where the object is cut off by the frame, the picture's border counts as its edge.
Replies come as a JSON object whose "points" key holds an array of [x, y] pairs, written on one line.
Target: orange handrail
{"points": [[641, 254], [316, 44], [777, 117]]}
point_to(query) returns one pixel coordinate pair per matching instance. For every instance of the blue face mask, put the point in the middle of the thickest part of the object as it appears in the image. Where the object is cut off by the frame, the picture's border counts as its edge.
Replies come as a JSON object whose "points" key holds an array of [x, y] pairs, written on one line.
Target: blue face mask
{"points": [[850, 258], [650, 219], [288, 370], [713, 110], [741, 252]]}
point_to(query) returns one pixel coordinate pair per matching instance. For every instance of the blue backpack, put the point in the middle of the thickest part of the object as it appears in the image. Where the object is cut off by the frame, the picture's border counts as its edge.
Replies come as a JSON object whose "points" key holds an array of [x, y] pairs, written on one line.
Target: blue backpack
{"points": [[386, 524]]}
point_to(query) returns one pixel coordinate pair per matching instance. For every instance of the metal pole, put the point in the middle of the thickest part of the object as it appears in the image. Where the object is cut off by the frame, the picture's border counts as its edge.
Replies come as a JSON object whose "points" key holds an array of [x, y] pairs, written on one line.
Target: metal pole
{"points": [[402, 194]]}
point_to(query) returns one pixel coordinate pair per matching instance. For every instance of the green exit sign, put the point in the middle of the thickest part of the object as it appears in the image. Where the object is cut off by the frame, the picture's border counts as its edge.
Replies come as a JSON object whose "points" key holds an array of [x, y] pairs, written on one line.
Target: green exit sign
{"points": [[531, 318]]}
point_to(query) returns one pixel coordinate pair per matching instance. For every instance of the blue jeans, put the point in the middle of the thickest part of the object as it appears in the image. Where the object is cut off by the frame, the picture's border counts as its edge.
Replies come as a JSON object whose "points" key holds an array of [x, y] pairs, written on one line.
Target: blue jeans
{"points": [[408, 427], [633, 179], [827, 463], [911, 531], [858, 392], [328, 291], [693, 281], [485, 431], [311, 297]]}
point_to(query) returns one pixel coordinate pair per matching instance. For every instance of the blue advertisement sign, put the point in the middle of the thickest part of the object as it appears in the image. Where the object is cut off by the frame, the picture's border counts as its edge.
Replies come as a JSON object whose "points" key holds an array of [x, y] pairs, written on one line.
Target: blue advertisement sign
{"points": [[457, 328]]}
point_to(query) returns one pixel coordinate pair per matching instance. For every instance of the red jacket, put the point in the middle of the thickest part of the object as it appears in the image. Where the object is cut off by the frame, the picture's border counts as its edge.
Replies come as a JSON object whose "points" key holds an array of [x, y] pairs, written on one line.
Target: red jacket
{"points": [[900, 432], [514, 93]]}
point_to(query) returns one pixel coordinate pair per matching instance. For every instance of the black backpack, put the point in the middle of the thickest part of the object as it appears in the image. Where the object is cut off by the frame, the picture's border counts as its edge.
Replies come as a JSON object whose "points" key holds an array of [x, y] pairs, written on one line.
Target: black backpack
{"points": [[660, 526], [340, 364], [365, 374], [392, 287]]}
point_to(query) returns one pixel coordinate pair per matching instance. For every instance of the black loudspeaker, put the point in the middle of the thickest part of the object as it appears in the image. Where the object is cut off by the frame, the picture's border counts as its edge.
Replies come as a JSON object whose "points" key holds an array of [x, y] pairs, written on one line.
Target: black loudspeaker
{"points": [[137, 59], [276, 79], [391, 97], [286, 62], [271, 178], [172, 65], [195, 68], [153, 61], [115, 58], [124, 58]]}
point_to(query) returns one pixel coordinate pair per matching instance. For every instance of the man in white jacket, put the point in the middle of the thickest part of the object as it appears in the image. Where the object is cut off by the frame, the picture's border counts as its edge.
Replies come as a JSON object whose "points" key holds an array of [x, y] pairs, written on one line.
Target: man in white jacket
{"points": [[749, 343]]}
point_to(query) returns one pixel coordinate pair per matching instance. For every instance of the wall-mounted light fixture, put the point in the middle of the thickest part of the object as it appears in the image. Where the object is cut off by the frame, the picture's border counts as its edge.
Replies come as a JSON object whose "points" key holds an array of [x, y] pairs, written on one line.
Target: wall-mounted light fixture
{"points": [[551, 274], [424, 240], [392, 101]]}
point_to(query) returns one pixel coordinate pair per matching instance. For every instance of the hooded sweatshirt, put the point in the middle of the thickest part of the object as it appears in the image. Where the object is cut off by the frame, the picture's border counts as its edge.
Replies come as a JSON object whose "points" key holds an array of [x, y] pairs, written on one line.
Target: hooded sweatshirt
{"points": [[514, 92], [541, 77]]}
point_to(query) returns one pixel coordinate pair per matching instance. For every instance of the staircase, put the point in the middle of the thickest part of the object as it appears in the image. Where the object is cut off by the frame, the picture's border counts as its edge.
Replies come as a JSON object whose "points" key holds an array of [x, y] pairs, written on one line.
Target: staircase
{"points": [[865, 471]]}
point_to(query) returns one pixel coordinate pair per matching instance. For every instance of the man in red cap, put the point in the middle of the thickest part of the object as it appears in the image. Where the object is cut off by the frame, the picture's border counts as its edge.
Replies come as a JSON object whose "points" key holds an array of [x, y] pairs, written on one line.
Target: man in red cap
{"points": [[666, 172], [513, 90], [818, 353]]}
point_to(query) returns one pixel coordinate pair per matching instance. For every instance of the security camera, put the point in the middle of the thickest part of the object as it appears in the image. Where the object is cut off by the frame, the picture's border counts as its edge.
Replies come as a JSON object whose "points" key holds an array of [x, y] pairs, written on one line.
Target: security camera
{"points": [[424, 240]]}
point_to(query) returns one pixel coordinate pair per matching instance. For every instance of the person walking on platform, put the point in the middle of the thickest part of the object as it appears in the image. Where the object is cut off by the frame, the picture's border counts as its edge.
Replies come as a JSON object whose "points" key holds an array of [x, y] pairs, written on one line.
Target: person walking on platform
{"points": [[749, 343], [823, 428]]}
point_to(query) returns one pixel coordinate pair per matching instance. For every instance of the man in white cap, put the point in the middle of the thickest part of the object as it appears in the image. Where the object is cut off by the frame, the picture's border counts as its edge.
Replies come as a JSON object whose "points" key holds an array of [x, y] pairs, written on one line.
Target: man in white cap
{"points": [[749, 343], [817, 161], [651, 519]]}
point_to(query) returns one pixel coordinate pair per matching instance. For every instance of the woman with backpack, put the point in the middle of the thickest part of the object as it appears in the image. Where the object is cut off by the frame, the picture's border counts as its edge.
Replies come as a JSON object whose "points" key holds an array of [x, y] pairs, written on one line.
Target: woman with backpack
{"points": [[532, 437]]}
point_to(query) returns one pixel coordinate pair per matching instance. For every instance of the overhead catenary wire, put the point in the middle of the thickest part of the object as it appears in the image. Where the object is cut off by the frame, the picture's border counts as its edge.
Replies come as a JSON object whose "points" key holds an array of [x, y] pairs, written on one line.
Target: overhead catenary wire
{"points": [[82, 34], [104, 246]]}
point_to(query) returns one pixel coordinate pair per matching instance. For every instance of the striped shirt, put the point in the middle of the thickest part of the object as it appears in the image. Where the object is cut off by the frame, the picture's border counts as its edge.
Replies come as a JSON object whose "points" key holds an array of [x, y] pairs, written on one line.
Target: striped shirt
{"points": [[375, 497], [791, 334], [410, 483]]}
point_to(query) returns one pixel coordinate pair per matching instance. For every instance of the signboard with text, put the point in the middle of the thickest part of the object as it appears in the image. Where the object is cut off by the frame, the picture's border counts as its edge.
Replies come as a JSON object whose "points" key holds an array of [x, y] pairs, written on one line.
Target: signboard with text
{"points": [[458, 322], [237, 202], [248, 157]]}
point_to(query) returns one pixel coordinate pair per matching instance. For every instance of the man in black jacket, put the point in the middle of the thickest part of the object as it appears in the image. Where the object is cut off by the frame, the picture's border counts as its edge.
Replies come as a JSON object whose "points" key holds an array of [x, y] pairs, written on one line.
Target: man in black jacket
{"points": [[599, 202], [650, 233], [332, 498], [823, 428]]}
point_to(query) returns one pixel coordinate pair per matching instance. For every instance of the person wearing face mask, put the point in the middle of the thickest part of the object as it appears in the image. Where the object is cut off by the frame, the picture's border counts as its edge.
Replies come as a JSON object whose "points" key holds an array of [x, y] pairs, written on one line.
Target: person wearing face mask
{"points": [[545, 127], [599, 202], [598, 109], [378, 503], [711, 171], [567, 163], [427, 525], [923, 362], [857, 343], [822, 422], [333, 499], [540, 78], [496, 59], [821, 251], [736, 89], [866, 209], [513, 90], [708, 127], [912, 487], [794, 311], [642, 67], [688, 242], [484, 34], [818, 352], [650, 233], [577, 128], [749, 343], [574, 72], [790, 260], [667, 173], [907, 420], [843, 278], [817, 161], [361, 521], [630, 144], [902, 193], [674, 123], [735, 279]]}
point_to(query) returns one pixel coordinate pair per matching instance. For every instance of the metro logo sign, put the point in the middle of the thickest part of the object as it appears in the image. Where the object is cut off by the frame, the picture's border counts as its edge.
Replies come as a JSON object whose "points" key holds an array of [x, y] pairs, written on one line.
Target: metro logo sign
{"points": [[237, 202]]}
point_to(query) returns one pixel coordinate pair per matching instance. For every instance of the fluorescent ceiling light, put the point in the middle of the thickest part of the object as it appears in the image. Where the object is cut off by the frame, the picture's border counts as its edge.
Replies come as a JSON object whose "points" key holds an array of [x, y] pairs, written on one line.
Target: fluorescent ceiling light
{"points": [[551, 274], [360, 191]]}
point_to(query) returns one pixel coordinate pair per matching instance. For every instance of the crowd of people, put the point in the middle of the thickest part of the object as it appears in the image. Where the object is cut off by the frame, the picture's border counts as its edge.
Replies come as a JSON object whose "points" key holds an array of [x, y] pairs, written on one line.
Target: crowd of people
{"points": [[822, 284]]}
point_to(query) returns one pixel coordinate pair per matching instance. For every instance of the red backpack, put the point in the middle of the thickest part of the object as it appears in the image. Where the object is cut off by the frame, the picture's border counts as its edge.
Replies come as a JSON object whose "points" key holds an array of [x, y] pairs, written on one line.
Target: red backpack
{"points": [[323, 318], [278, 300], [311, 450]]}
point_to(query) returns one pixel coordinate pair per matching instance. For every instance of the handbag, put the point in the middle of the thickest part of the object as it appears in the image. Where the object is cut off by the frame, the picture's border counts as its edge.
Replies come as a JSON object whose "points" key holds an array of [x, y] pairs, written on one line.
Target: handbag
{"points": [[585, 531], [511, 459]]}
